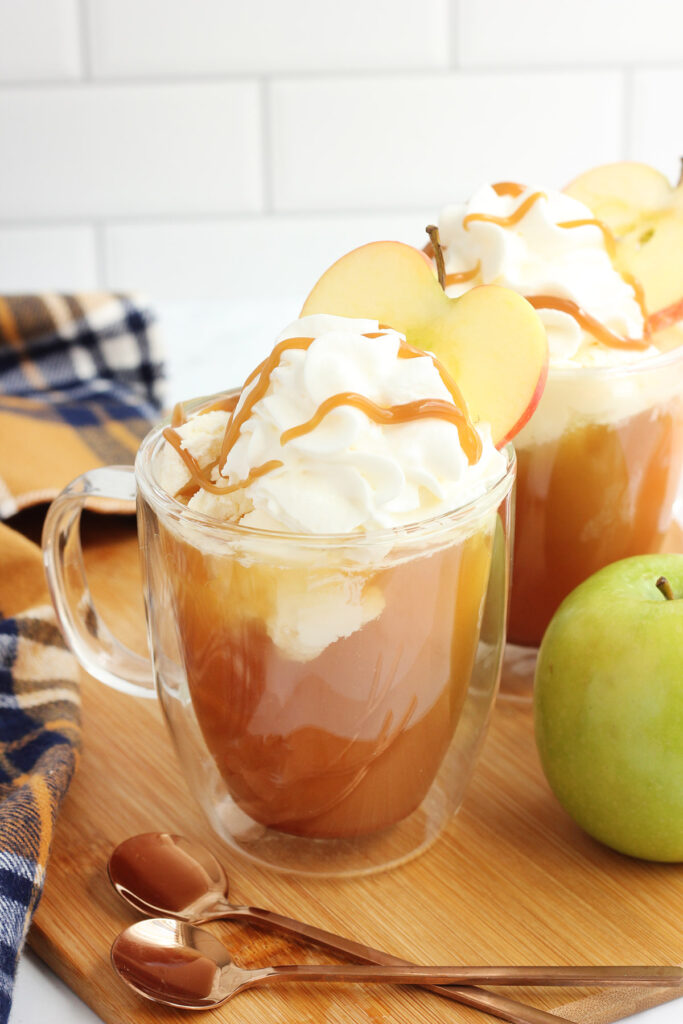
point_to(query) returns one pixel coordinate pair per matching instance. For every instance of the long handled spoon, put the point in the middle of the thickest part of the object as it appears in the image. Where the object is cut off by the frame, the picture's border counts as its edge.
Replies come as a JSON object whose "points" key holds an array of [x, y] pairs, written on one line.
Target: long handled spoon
{"points": [[179, 964], [163, 874]]}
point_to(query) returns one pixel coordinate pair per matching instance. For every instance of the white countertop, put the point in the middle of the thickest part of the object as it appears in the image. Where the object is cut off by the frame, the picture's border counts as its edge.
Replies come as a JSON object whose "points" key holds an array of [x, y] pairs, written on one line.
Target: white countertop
{"points": [[210, 346]]}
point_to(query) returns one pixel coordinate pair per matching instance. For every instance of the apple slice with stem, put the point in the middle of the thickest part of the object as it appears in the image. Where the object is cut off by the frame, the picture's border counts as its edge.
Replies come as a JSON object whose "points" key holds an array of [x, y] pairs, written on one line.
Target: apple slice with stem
{"points": [[490, 340], [645, 213]]}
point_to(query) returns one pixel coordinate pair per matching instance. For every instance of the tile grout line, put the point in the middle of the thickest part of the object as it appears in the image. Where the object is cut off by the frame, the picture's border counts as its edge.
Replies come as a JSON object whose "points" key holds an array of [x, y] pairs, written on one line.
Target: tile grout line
{"points": [[267, 176], [226, 78], [628, 91], [98, 227], [453, 26], [173, 218], [84, 39]]}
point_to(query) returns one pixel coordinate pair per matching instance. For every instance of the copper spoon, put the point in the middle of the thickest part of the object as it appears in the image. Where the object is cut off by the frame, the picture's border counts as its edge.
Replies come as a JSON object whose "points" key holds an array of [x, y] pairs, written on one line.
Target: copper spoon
{"points": [[179, 964], [159, 873]]}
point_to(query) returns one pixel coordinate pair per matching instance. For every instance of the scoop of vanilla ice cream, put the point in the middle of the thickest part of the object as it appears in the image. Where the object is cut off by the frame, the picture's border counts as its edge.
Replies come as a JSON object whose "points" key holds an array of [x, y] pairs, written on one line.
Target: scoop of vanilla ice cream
{"points": [[348, 473], [535, 256]]}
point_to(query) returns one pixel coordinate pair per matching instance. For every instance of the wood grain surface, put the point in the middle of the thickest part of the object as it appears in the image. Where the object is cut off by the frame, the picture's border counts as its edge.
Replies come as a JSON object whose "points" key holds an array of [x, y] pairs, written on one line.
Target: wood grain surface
{"points": [[512, 881]]}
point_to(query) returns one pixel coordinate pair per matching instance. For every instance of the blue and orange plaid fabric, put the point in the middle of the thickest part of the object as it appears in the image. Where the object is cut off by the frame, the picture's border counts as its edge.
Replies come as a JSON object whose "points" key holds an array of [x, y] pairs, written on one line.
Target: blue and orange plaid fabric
{"points": [[80, 380]]}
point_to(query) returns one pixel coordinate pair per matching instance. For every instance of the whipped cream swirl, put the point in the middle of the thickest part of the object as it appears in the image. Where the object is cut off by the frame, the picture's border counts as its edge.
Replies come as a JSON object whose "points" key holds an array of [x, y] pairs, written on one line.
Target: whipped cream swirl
{"points": [[535, 256], [348, 473]]}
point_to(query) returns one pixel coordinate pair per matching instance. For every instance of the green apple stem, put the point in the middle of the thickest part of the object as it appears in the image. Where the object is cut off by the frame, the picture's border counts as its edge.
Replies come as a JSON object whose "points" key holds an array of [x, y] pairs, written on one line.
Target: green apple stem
{"points": [[664, 587], [433, 233]]}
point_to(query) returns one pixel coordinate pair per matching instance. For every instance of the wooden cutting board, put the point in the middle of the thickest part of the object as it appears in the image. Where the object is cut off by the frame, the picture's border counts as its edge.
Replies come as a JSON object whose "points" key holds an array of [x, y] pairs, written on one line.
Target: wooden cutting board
{"points": [[512, 881]]}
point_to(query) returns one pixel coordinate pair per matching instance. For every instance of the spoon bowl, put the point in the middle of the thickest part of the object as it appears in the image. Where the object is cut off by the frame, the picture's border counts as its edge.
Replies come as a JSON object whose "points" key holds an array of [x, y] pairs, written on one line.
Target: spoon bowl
{"points": [[163, 874], [169, 961]]}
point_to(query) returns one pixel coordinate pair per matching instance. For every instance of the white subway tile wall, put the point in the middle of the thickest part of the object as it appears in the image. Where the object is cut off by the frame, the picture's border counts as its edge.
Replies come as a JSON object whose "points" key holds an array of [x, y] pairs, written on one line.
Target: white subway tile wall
{"points": [[219, 37], [101, 150], [243, 258], [39, 40], [216, 148], [499, 33], [393, 142], [657, 102], [47, 257]]}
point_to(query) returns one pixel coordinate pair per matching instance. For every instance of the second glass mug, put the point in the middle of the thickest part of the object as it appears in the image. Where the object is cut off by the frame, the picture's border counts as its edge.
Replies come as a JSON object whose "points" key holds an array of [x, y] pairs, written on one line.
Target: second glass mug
{"points": [[600, 466], [327, 695]]}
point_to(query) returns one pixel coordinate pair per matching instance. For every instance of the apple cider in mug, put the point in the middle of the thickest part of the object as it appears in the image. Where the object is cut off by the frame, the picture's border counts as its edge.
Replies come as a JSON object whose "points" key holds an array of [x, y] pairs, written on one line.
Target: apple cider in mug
{"points": [[600, 461], [328, 677]]}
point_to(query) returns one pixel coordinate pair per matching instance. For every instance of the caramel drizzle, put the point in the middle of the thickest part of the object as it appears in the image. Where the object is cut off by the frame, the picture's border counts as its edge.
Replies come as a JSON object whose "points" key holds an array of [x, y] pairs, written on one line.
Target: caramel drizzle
{"points": [[508, 188], [639, 293], [513, 218], [640, 299], [200, 476], [585, 320], [421, 409], [589, 323], [226, 404], [406, 351], [403, 413], [263, 371], [178, 417], [463, 275], [610, 240]]}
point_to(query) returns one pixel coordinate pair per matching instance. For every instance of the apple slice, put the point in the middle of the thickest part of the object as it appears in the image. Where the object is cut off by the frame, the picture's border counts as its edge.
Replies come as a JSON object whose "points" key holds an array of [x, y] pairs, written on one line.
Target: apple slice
{"points": [[645, 214], [622, 194], [490, 340]]}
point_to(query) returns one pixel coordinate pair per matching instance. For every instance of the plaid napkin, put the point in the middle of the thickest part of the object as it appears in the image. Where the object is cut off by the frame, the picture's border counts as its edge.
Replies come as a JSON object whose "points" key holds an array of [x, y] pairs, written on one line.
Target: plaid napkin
{"points": [[80, 379]]}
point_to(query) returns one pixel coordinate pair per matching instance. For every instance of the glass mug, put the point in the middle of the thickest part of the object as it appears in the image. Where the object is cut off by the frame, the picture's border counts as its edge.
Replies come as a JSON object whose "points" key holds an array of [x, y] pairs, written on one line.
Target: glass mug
{"points": [[599, 469], [326, 695]]}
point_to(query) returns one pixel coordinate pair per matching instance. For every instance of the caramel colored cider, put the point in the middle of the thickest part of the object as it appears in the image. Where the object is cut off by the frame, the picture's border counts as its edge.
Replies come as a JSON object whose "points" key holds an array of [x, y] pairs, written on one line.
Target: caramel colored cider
{"points": [[349, 741], [598, 493]]}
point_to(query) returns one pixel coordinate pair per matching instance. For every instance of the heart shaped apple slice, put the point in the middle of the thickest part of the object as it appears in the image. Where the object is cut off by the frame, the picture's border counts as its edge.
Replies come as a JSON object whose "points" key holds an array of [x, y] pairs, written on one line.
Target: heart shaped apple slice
{"points": [[490, 340]]}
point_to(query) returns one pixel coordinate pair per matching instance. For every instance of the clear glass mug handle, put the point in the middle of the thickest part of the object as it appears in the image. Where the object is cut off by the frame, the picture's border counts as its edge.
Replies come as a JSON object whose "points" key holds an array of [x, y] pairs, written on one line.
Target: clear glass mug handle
{"points": [[97, 649]]}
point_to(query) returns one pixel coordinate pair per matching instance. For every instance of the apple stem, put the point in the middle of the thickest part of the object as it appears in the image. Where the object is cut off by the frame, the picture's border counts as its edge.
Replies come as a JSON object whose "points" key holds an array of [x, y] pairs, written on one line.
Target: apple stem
{"points": [[433, 233], [664, 587]]}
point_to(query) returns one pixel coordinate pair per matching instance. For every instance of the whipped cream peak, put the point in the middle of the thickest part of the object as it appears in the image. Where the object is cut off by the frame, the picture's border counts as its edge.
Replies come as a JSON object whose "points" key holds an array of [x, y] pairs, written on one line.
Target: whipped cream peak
{"points": [[345, 472], [545, 252]]}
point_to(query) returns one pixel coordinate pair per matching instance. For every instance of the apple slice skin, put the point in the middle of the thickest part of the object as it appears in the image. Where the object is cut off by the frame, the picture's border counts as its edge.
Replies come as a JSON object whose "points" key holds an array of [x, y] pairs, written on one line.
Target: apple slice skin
{"points": [[667, 317], [530, 409], [608, 707], [490, 340]]}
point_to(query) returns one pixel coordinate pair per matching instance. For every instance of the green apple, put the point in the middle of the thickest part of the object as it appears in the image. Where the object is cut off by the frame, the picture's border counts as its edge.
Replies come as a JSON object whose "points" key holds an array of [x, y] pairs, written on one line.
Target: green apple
{"points": [[608, 705]]}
